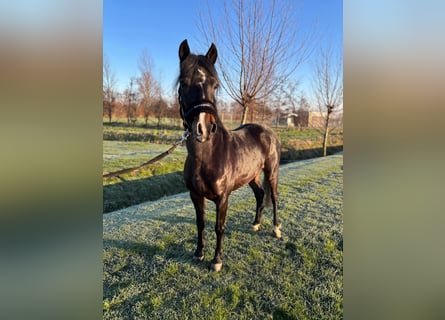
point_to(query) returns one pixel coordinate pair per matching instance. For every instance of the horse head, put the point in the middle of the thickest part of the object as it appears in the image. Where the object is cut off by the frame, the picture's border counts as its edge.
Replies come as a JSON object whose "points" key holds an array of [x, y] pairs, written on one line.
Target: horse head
{"points": [[198, 83]]}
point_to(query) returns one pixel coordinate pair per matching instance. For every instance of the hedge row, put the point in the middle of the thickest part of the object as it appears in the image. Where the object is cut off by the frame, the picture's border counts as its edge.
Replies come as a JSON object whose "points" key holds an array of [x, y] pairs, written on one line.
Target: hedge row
{"points": [[138, 136]]}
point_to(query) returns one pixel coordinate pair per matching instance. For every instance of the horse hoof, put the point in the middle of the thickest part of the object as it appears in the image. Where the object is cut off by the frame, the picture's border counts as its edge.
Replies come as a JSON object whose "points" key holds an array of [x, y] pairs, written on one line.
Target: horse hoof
{"points": [[256, 227], [196, 258], [277, 231], [216, 267]]}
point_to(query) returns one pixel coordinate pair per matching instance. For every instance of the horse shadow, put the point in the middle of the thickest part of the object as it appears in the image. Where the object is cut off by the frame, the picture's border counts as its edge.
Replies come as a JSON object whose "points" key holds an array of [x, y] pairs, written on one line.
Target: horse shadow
{"points": [[178, 251], [131, 261]]}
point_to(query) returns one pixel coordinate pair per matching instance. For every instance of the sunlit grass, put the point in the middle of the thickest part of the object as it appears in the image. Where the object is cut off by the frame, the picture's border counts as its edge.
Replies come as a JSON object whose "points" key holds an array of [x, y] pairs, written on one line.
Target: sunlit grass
{"points": [[120, 155], [152, 182]]}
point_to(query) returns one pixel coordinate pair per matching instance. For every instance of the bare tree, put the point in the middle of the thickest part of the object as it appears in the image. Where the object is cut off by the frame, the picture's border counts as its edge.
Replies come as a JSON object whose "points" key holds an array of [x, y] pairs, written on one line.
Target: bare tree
{"points": [[173, 110], [261, 47], [160, 107], [148, 87], [108, 89], [327, 85], [131, 102], [303, 103], [289, 95]]}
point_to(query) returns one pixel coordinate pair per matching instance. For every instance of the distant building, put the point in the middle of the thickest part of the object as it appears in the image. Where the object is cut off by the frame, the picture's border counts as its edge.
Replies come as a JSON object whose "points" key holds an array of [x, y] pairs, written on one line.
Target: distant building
{"points": [[317, 119], [292, 120], [304, 118]]}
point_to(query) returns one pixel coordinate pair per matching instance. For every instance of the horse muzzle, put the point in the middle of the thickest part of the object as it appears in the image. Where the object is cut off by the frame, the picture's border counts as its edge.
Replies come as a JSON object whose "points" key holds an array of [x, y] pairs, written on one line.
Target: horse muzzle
{"points": [[204, 127]]}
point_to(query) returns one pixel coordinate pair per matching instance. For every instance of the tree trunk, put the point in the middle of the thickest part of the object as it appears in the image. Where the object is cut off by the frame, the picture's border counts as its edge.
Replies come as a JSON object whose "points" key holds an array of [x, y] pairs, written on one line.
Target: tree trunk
{"points": [[245, 113], [326, 134]]}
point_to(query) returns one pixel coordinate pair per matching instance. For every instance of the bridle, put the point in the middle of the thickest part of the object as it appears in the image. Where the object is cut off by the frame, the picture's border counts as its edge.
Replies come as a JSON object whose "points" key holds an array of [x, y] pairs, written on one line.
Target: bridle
{"points": [[187, 117]]}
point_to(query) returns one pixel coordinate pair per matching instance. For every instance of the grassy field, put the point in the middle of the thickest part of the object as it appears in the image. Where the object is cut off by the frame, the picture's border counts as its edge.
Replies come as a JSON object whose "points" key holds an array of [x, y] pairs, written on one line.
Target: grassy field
{"points": [[158, 180], [149, 272], [171, 130], [129, 146]]}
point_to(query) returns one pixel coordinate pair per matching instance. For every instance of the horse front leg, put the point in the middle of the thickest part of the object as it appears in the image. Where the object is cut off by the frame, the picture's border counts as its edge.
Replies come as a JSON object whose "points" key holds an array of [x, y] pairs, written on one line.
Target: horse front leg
{"points": [[199, 203], [221, 211]]}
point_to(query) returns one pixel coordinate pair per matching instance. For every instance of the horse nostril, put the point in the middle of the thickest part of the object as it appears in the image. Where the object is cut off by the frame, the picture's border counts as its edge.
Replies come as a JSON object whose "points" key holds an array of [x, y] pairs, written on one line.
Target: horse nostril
{"points": [[199, 129]]}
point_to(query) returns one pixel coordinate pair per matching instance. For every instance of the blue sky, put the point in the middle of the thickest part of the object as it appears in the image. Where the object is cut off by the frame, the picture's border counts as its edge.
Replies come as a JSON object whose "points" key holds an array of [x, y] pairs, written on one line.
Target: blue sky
{"points": [[131, 26]]}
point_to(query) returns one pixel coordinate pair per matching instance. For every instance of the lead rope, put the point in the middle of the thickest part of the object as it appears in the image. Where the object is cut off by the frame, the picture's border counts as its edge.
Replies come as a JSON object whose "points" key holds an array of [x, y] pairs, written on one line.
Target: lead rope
{"points": [[184, 137]]}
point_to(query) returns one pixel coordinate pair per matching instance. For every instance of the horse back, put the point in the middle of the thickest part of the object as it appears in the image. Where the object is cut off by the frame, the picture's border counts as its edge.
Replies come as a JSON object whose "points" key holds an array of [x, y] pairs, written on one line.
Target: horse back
{"points": [[262, 136]]}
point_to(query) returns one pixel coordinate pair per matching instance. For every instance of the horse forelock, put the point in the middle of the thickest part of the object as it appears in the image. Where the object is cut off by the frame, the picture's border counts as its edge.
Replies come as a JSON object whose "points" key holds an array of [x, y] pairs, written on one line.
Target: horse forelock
{"points": [[193, 63]]}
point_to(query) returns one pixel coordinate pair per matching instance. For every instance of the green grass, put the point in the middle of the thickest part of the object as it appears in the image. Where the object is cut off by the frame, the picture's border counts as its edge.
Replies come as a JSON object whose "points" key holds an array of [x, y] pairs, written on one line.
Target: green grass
{"points": [[119, 155], [131, 146], [171, 130], [155, 181], [149, 272]]}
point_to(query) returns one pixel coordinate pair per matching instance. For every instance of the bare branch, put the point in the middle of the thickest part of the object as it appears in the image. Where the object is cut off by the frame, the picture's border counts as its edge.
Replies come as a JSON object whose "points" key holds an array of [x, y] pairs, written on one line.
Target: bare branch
{"points": [[327, 86], [148, 87], [261, 47], [108, 88]]}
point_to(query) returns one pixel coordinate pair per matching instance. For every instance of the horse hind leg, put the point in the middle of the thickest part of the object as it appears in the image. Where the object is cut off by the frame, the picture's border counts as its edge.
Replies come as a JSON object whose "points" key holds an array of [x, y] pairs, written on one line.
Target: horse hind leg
{"points": [[271, 180], [259, 196], [276, 219]]}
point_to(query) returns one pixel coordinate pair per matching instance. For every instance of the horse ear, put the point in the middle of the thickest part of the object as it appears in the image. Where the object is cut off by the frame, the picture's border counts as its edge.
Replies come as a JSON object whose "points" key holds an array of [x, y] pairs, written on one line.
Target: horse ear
{"points": [[212, 54], [184, 50]]}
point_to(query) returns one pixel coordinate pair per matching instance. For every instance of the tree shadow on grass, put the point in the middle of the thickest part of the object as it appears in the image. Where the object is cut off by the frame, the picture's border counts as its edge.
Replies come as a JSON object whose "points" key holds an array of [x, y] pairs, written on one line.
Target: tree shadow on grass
{"points": [[292, 154], [128, 193], [133, 247]]}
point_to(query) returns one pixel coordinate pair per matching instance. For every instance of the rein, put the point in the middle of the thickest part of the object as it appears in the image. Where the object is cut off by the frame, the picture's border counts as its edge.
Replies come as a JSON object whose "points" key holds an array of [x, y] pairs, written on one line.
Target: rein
{"points": [[184, 137]]}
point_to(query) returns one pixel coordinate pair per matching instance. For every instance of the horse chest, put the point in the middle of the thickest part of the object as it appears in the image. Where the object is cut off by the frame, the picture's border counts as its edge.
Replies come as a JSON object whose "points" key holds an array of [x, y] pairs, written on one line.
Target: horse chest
{"points": [[206, 182]]}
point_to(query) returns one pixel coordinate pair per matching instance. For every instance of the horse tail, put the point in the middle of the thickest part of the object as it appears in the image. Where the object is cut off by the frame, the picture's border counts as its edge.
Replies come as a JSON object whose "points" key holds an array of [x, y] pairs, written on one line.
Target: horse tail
{"points": [[267, 200]]}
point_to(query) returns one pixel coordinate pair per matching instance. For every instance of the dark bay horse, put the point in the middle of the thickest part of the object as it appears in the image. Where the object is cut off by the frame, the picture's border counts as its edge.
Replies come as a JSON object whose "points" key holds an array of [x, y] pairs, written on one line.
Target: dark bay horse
{"points": [[220, 161]]}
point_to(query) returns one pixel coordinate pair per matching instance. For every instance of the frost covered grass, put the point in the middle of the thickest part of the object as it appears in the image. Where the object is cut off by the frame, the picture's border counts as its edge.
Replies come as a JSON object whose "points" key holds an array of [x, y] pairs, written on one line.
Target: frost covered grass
{"points": [[158, 180], [149, 272]]}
